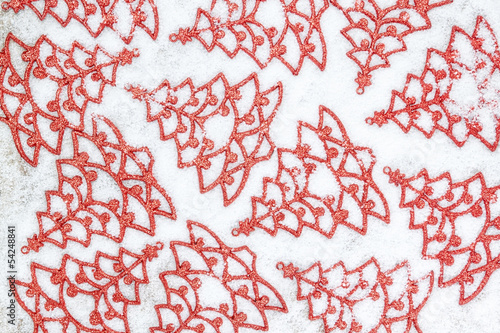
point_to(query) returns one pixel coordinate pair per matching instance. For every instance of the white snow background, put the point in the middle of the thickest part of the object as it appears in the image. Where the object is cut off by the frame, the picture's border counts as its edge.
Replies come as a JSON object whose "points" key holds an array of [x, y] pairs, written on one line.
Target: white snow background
{"points": [[22, 187]]}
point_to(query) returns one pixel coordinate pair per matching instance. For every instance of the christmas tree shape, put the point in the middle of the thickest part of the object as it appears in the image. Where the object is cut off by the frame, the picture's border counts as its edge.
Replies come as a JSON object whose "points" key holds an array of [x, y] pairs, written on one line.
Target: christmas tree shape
{"points": [[220, 129], [377, 30], [46, 89], [214, 288], [460, 223], [365, 299], [86, 297], [323, 183], [458, 92], [105, 189], [121, 16], [233, 27]]}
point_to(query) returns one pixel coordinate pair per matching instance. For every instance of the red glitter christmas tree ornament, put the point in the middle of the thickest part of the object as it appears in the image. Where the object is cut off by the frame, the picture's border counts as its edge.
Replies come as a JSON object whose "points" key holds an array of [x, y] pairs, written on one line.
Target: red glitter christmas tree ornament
{"points": [[219, 129], [458, 92], [55, 296], [214, 288], [377, 30], [121, 16], [364, 299], [460, 223], [45, 90], [106, 188], [234, 26], [324, 182]]}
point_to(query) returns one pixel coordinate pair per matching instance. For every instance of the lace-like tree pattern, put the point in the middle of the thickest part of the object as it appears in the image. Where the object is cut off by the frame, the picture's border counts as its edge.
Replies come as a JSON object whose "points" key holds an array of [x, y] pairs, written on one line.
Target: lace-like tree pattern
{"points": [[122, 16], [377, 30], [324, 182], [214, 288], [109, 285], [106, 188], [457, 93], [349, 301], [197, 118], [460, 224], [234, 27], [45, 90]]}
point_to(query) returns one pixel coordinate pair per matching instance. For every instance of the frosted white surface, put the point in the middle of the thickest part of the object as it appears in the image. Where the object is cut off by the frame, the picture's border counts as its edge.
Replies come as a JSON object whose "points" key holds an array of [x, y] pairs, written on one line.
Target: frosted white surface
{"points": [[22, 188]]}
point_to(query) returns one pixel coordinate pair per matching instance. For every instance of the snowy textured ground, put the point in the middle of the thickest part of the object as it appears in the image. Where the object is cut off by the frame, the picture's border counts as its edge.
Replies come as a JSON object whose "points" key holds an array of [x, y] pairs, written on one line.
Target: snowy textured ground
{"points": [[22, 188]]}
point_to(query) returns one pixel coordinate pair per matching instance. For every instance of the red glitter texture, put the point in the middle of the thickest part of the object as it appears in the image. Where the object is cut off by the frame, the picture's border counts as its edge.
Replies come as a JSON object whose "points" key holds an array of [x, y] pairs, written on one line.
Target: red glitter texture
{"points": [[122, 16], [438, 99], [196, 118], [324, 182], [377, 30], [214, 288], [107, 187], [234, 27], [70, 80], [54, 297], [347, 301], [460, 223]]}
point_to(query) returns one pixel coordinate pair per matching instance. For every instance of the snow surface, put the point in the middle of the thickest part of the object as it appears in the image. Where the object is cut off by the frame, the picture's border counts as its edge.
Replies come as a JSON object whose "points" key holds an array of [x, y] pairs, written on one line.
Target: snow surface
{"points": [[22, 193]]}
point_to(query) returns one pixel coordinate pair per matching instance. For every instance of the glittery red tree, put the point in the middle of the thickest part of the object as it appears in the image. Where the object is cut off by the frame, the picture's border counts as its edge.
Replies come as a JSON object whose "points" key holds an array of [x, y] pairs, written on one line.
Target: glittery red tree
{"points": [[457, 93], [197, 118], [460, 224], [365, 299], [45, 89], [323, 183], [121, 16], [54, 297], [377, 30], [214, 288], [234, 27], [105, 189]]}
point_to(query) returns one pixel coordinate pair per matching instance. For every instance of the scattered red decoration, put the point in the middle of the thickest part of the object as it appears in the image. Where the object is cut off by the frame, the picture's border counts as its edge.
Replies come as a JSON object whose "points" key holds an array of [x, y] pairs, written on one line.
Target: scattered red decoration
{"points": [[122, 16], [222, 130], [234, 27], [460, 223], [55, 296], [214, 288], [457, 94], [196, 118], [324, 182], [364, 299], [107, 187], [48, 91], [377, 30]]}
